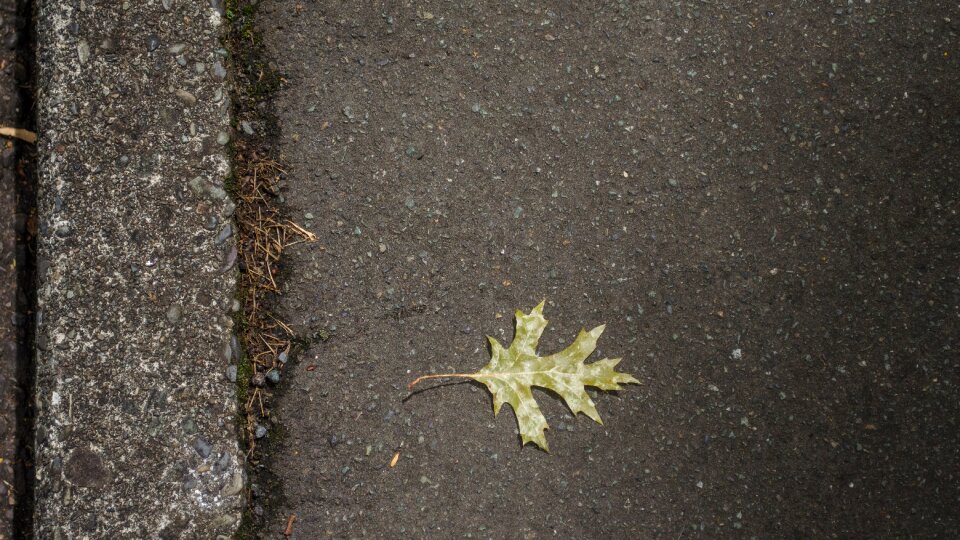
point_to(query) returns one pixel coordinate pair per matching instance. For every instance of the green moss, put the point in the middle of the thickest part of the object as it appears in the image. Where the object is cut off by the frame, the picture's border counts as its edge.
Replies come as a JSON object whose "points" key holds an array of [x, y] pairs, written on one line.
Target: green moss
{"points": [[247, 529], [266, 81], [231, 185], [243, 45], [275, 439], [244, 374]]}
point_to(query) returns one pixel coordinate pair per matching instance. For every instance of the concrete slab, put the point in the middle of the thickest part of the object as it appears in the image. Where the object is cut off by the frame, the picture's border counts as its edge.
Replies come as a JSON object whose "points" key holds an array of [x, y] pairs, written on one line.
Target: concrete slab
{"points": [[136, 419]]}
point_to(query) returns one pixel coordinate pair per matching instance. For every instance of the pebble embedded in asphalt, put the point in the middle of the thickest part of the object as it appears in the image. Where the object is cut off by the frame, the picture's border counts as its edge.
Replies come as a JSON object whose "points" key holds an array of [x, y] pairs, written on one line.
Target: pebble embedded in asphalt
{"points": [[173, 313], [186, 97], [202, 447], [83, 51], [224, 234], [219, 71]]}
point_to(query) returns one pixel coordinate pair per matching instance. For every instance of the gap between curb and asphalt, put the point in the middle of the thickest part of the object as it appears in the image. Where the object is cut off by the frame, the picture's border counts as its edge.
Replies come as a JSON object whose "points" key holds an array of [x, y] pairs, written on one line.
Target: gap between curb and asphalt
{"points": [[16, 267]]}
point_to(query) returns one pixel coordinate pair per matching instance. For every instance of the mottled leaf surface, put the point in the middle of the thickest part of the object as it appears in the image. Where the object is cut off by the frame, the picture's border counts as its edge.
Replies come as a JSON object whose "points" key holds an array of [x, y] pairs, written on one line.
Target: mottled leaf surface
{"points": [[513, 371]]}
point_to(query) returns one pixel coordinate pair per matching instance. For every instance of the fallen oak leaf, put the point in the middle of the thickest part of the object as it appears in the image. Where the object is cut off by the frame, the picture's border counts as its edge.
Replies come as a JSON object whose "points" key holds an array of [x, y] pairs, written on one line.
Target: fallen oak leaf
{"points": [[512, 373]]}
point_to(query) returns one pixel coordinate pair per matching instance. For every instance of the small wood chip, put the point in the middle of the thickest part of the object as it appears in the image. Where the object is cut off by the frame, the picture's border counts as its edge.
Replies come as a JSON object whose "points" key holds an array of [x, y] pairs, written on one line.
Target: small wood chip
{"points": [[22, 134]]}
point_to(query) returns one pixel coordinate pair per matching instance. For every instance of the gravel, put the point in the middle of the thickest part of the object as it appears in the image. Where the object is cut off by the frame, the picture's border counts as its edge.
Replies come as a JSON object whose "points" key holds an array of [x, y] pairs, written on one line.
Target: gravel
{"points": [[202, 447], [174, 313], [224, 234], [219, 72], [186, 97]]}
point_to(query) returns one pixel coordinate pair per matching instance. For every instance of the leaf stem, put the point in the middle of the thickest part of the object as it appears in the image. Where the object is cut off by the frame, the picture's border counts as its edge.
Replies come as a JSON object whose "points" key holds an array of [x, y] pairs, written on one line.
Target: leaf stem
{"points": [[439, 376]]}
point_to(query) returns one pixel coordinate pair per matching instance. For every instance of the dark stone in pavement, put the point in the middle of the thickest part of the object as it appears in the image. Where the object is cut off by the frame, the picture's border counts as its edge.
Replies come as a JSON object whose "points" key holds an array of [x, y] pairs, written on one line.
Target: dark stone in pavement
{"points": [[762, 206]]}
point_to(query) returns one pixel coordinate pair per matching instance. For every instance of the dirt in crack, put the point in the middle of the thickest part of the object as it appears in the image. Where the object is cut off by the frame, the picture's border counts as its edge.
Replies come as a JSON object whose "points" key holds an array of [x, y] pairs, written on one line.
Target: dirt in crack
{"points": [[268, 344], [18, 275]]}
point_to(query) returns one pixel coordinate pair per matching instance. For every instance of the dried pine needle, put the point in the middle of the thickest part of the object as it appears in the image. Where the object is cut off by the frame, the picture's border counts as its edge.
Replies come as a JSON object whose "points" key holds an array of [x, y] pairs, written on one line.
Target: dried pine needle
{"points": [[263, 236]]}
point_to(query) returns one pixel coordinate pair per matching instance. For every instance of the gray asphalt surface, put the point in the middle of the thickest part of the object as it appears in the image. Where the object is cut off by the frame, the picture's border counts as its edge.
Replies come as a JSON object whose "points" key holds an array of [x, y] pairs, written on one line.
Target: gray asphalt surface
{"points": [[759, 200]]}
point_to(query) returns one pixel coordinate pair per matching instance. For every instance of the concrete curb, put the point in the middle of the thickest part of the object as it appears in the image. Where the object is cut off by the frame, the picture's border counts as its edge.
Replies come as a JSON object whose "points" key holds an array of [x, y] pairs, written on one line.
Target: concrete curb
{"points": [[135, 416]]}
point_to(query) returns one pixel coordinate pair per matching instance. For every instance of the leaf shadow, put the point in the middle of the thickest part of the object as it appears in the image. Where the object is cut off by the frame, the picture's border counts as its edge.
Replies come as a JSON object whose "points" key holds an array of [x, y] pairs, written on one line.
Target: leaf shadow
{"points": [[441, 385]]}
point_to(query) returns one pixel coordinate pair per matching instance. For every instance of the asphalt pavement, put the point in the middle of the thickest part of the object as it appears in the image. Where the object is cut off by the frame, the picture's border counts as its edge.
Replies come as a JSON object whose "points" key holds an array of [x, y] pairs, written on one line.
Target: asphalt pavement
{"points": [[759, 200]]}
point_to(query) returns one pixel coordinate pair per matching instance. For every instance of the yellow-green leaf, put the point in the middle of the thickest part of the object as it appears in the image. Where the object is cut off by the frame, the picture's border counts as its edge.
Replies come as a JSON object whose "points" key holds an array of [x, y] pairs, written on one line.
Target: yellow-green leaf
{"points": [[512, 372]]}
